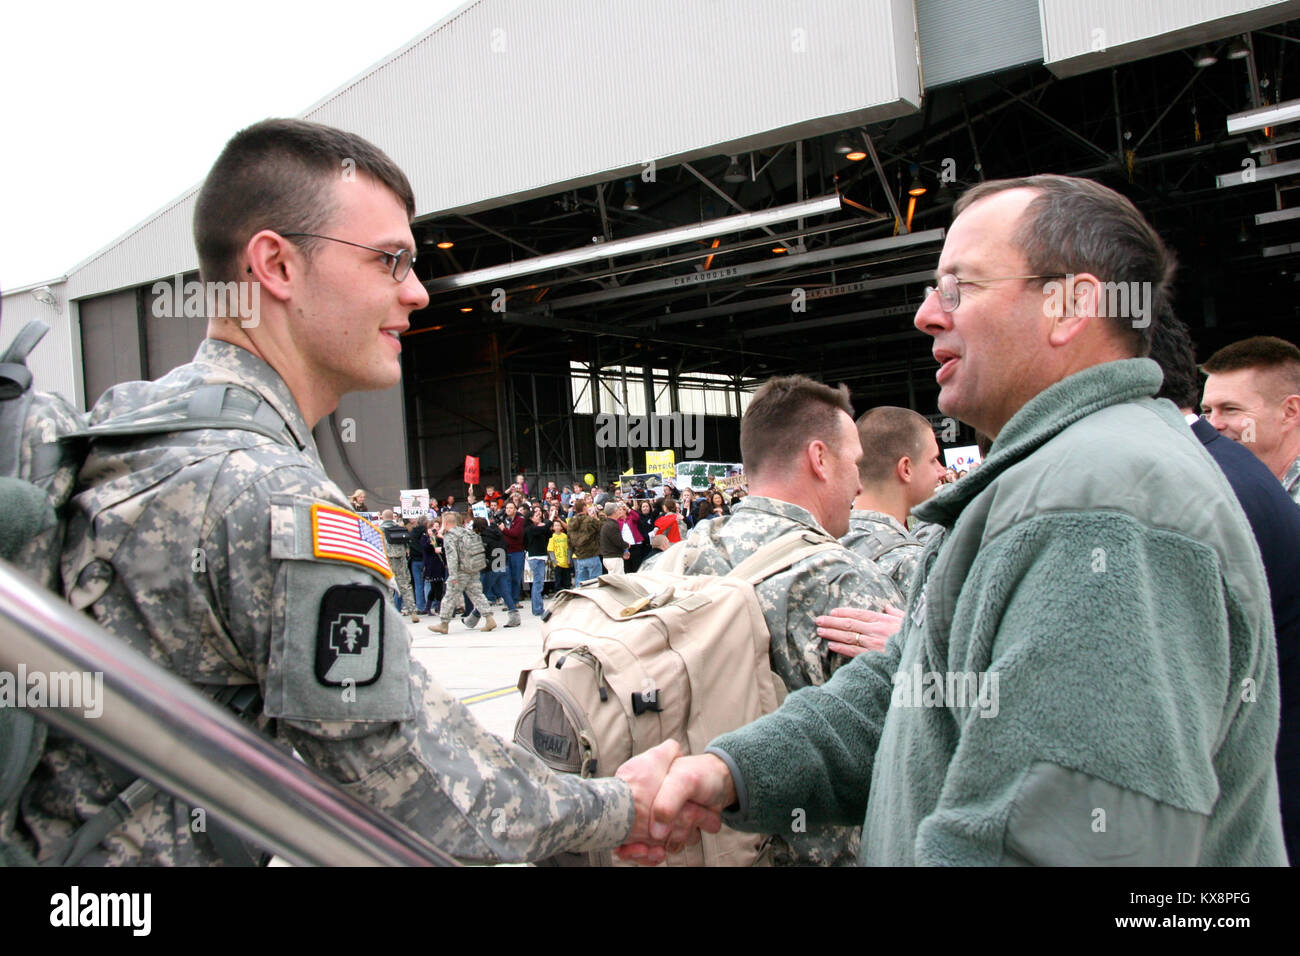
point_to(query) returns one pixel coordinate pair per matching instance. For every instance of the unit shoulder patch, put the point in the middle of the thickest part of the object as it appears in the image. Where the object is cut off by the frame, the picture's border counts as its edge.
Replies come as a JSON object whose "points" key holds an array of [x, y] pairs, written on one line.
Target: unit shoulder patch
{"points": [[350, 636]]}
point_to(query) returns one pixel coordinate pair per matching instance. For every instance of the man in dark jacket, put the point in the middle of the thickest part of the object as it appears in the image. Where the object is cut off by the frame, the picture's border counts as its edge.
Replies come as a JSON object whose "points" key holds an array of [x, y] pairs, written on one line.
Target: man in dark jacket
{"points": [[1275, 520]]}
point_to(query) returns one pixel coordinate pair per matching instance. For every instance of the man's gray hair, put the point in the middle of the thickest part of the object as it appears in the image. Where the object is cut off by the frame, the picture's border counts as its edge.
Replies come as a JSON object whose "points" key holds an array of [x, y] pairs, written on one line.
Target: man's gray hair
{"points": [[611, 507], [1077, 225]]}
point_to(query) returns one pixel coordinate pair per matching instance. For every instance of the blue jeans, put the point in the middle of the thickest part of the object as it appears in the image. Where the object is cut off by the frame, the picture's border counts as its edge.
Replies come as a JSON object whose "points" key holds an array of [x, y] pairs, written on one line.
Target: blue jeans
{"points": [[417, 586], [496, 584], [588, 568], [539, 581], [516, 562]]}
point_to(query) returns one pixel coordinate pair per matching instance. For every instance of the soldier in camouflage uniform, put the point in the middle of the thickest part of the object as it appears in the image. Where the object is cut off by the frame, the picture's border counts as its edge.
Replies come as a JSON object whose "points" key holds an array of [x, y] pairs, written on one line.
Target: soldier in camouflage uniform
{"points": [[787, 493], [229, 557], [1252, 395], [900, 469], [395, 548], [464, 551]]}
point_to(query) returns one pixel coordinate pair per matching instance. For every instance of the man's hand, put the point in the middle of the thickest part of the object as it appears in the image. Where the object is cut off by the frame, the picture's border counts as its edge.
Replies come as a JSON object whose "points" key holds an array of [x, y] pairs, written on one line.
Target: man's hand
{"points": [[852, 631], [644, 774], [691, 798]]}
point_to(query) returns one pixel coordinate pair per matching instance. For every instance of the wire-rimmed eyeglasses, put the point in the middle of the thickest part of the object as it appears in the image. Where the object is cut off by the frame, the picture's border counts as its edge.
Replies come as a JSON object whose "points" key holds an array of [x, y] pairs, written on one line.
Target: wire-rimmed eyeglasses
{"points": [[949, 287], [403, 259]]}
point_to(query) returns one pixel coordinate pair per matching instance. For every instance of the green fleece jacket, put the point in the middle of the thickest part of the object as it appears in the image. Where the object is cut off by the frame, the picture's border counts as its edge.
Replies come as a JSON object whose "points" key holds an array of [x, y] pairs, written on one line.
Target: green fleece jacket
{"points": [[1086, 673]]}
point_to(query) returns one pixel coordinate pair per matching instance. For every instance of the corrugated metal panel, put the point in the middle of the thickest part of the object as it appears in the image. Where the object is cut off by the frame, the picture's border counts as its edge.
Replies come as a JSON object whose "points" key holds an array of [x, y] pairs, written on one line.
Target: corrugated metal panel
{"points": [[1084, 35], [159, 247], [961, 39], [55, 361], [519, 98], [110, 339]]}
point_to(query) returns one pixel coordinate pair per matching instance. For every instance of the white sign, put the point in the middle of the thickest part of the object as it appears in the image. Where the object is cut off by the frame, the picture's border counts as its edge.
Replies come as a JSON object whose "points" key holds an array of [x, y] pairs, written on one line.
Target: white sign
{"points": [[415, 502], [961, 459]]}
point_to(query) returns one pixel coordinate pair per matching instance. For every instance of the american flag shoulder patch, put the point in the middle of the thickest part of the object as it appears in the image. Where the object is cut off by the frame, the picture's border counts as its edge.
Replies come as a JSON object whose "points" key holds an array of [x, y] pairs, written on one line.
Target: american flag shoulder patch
{"points": [[342, 535]]}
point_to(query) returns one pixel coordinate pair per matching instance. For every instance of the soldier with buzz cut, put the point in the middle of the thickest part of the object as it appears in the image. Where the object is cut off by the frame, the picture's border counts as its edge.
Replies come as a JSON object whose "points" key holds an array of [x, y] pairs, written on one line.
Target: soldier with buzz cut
{"points": [[223, 552], [900, 469], [801, 455]]}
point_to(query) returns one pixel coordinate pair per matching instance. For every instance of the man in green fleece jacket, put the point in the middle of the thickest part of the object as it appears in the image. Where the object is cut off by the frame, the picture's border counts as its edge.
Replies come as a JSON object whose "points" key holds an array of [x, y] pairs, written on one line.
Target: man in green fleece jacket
{"points": [[1086, 671]]}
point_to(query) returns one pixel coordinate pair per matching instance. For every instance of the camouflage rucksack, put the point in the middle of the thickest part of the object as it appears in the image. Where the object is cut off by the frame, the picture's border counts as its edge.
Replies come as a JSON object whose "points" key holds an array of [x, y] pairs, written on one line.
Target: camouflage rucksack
{"points": [[43, 443]]}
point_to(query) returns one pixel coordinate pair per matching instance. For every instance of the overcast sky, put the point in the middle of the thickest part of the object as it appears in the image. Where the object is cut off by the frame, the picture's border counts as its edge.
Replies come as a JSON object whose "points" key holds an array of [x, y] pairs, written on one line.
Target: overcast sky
{"points": [[110, 110]]}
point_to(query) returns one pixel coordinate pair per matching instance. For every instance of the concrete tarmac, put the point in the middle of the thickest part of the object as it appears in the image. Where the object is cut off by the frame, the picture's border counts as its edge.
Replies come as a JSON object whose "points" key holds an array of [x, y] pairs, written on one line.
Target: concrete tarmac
{"points": [[481, 668]]}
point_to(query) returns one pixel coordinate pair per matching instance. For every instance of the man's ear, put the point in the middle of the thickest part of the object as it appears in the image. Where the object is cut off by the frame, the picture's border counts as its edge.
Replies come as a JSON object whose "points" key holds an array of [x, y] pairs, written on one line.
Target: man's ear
{"points": [[903, 469], [1080, 306], [273, 264], [818, 455], [1291, 412]]}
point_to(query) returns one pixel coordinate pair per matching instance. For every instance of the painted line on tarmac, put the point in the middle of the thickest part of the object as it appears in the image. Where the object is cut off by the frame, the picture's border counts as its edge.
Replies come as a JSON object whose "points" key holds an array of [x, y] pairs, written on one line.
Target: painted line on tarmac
{"points": [[490, 695]]}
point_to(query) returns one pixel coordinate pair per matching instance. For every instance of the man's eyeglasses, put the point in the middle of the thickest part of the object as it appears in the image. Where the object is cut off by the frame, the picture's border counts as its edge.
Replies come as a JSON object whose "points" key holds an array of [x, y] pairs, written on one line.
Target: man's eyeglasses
{"points": [[403, 259], [949, 287]]}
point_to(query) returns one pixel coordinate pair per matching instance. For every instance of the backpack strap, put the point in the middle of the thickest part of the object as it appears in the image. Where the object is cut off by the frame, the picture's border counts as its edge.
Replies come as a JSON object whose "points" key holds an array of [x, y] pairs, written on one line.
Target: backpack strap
{"points": [[208, 406], [16, 376], [884, 540], [776, 556], [244, 700]]}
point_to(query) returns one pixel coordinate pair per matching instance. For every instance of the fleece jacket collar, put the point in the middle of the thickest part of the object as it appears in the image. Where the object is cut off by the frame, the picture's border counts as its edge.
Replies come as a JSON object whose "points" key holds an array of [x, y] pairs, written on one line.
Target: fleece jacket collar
{"points": [[1041, 419]]}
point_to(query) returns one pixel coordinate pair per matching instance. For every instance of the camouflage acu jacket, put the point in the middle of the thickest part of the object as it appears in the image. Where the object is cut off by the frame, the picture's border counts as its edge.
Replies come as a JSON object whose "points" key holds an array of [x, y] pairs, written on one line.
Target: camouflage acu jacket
{"points": [[1291, 480], [791, 602], [880, 538], [231, 558]]}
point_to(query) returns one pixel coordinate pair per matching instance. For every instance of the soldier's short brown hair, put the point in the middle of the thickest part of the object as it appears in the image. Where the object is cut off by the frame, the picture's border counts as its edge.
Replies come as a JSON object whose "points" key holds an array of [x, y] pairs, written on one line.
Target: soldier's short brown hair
{"points": [[1077, 225], [279, 174], [784, 415], [451, 520], [1265, 353], [889, 433]]}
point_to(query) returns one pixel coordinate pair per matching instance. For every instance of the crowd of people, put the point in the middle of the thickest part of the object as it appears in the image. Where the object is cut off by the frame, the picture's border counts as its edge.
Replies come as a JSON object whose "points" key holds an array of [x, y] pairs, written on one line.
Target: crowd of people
{"points": [[545, 541]]}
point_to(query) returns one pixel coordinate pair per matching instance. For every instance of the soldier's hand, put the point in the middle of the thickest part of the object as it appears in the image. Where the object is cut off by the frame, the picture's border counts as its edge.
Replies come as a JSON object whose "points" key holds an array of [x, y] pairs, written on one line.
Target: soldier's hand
{"points": [[852, 631], [645, 774], [690, 799]]}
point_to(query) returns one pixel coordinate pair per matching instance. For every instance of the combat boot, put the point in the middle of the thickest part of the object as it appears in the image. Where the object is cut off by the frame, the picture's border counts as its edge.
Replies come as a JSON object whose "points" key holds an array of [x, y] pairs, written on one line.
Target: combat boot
{"points": [[513, 619], [439, 628], [415, 618], [489, 622]]}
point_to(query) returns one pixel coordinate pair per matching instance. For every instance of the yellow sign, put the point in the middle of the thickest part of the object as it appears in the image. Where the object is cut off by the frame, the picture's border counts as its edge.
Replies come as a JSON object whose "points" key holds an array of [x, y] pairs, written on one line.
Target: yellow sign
{"points": [[661, 462]]}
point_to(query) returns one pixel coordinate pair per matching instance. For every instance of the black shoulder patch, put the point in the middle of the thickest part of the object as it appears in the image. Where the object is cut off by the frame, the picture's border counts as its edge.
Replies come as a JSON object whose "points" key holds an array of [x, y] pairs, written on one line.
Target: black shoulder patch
{"points": [[350, 636]]}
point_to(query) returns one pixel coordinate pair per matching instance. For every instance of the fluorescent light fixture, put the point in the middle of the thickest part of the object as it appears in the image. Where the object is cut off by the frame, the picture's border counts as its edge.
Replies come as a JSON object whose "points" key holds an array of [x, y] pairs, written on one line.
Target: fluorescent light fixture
{"points": [[1277, 215], [1256, 174], [1274, 115], [1267, 145], [634, 244]]}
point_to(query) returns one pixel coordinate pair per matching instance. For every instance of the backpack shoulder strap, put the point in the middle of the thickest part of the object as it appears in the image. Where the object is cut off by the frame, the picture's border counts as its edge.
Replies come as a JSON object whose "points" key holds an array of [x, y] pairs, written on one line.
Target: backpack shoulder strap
{"points": [[884, 540], [208, 406], [13, 363], [775, 556]]}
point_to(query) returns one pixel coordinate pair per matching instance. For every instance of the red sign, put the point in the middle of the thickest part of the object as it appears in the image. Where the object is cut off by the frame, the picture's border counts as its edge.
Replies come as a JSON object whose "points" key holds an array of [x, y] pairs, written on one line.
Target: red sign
{"points": [[471, 470]]}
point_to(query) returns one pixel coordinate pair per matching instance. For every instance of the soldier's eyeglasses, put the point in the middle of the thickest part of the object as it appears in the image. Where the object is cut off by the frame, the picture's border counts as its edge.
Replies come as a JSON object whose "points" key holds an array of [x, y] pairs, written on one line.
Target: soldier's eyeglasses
{"points": [[403, 259], [949, 287]]}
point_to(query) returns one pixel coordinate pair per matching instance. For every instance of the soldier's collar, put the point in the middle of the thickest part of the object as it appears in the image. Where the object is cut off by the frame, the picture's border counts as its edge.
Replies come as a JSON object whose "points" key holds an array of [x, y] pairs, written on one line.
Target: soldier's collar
{"points": [[242, 367]]}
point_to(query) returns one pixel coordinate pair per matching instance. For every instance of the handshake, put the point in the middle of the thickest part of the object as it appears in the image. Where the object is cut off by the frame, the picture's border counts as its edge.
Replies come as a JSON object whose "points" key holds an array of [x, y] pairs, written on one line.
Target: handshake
{"points": [[676, 797]]}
